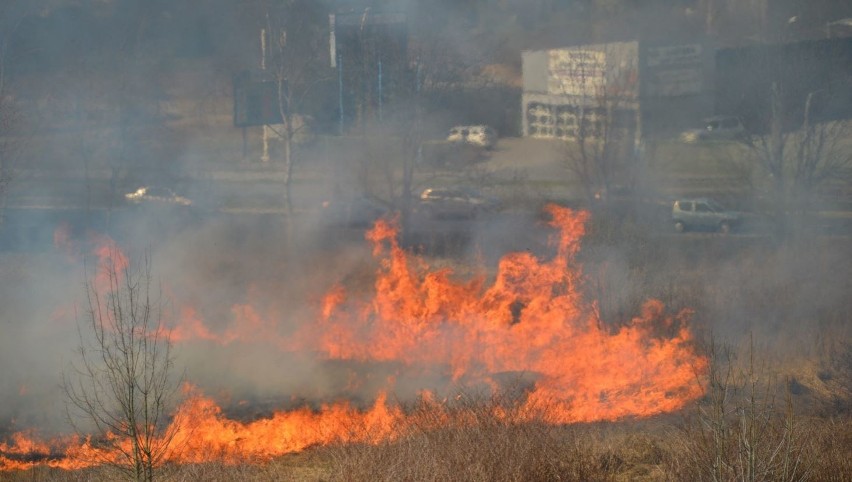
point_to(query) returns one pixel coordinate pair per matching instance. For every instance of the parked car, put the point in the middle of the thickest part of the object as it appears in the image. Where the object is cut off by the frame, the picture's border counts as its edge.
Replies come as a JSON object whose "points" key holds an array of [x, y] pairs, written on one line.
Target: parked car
{"points": [[156, 195], [353, 212], [483, 136], [715, 129], [703, 214], [462, 202]]}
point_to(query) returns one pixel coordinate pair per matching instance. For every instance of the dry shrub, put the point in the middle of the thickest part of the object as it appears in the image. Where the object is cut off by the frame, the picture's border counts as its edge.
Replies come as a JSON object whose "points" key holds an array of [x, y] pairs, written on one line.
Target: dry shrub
{"points": [[476, 438], [746, 428], [823, 448], [47, 474], [294, 468], [832, 449]]}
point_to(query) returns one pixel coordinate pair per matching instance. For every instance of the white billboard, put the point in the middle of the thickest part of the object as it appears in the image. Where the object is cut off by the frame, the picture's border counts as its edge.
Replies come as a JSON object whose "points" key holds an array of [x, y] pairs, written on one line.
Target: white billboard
{"points": [[579, 72]]}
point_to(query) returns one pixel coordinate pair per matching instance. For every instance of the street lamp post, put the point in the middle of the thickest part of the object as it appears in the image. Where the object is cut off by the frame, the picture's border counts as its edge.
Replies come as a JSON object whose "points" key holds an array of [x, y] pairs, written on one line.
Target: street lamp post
{"points": [[806, 120]]}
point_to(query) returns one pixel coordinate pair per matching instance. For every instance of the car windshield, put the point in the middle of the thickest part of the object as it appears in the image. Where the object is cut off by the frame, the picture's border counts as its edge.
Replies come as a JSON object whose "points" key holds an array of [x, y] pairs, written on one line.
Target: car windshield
{"points": [[159, 192], [471, 193], [715, 206]]}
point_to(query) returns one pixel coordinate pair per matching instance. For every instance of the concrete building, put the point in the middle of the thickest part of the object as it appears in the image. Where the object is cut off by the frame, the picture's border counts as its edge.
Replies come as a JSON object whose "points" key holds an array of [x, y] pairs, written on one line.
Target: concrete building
{"points": [[654, 90]]}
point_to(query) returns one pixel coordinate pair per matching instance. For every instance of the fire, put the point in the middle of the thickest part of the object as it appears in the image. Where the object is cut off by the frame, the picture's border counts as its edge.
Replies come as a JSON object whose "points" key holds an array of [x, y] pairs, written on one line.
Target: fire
{"points": [[108, 255], [26, 450], [531, 318], [204, 434]]}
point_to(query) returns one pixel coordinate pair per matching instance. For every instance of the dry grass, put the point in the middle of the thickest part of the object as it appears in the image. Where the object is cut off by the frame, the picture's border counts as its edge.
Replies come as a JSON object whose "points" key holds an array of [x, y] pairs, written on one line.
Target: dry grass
{"points": [[745, 427], [749, 426], [783, 448], [531, 452], [477, 439]]}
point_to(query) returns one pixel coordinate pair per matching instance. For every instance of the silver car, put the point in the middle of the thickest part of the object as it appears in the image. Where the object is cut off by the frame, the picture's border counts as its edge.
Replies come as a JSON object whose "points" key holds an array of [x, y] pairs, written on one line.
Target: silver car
{"points": [[703, 214]]}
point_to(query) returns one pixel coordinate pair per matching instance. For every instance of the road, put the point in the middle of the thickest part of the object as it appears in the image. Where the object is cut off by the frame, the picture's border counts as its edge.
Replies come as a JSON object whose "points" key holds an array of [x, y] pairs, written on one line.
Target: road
{"points": [[529, 171]]}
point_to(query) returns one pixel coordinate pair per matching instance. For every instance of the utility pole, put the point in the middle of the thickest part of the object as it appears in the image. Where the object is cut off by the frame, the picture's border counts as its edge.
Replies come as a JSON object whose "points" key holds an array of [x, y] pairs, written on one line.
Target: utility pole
{"points": [[340, 89], [806, 121], [380, 90], [264, 157]]}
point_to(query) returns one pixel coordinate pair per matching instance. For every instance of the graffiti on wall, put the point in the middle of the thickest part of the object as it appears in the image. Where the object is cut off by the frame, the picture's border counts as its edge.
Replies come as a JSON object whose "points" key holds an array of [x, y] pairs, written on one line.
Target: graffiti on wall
{"points": [[577, 72]]}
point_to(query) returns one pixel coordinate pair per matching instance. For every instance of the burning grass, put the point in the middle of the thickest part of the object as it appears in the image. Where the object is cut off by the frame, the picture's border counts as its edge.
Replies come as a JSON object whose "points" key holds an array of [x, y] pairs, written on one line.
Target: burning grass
{"points": [[532, 318], [538, 386], [480, 437]]}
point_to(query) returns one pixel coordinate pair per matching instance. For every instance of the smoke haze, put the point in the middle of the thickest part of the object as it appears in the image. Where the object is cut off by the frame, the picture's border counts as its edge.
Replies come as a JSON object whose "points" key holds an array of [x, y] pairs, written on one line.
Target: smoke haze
{"points": [[146, 98]]}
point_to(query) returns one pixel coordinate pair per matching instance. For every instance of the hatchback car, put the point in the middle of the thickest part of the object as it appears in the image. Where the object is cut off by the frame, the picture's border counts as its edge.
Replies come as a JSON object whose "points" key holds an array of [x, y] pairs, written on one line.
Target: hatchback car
{"points": [[461, 202], [703, 214], [155, 195]]}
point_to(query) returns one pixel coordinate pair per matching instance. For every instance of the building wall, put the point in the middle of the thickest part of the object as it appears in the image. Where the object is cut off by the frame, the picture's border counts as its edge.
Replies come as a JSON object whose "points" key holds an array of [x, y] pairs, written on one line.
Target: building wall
{"points": [[667, 87], [534, 70], [568, 86]]}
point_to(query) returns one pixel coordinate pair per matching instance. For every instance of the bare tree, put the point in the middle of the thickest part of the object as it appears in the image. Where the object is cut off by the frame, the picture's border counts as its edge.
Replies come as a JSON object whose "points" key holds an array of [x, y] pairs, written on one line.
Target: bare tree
{"points": [[435, 66], [797, 164], [789, 97], [11, 117], [293, 31], [123, 383], [9, 138], [599, 127]]}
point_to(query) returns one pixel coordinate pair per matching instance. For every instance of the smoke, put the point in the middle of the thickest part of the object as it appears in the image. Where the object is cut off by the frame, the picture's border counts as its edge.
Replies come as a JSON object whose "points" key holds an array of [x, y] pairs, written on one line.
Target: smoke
{"points": [[38, 337], [230, 275], [250, 279]]}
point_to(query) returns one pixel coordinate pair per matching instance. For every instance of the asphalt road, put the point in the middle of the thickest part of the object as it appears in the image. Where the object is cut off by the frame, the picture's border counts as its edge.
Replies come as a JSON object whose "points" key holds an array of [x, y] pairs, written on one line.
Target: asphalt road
{"points": [[38, 202]]}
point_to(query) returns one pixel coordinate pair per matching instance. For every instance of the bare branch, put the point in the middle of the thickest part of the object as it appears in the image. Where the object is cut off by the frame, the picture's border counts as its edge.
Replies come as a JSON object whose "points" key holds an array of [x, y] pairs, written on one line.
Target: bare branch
{"points": [[122, 383]]}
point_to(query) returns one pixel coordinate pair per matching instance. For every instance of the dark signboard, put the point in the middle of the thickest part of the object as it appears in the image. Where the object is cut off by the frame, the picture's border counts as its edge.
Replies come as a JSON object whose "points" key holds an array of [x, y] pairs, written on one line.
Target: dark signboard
{"points": [[369, 47], [256, 99], [811, 79]]}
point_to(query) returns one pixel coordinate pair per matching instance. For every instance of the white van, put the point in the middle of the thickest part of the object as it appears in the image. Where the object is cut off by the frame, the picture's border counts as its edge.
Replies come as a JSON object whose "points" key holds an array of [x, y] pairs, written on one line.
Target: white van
{"points": [[477, 135]]}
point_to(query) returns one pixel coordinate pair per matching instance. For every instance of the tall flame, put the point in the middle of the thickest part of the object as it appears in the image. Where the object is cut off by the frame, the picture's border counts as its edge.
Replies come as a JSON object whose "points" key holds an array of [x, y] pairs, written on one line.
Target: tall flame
{"points": [[531, 319]]}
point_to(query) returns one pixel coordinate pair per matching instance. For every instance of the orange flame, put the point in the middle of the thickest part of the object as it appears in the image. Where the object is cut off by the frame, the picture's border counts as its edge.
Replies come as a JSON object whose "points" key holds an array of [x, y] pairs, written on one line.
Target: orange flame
{"points": [[109, 256], [532, 318], [111, 261], [204, 434]]}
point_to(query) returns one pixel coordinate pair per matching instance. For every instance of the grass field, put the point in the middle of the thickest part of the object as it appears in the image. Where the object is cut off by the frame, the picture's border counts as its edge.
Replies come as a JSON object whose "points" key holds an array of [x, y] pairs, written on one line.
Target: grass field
{"points": [[774, 317]]}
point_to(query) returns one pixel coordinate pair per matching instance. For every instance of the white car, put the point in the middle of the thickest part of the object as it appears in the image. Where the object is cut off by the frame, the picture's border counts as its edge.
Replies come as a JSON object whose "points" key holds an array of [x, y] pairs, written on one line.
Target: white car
{"points": [[353, 212], [483, 136], [715, 129], [156, 195], [455, 203]]}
